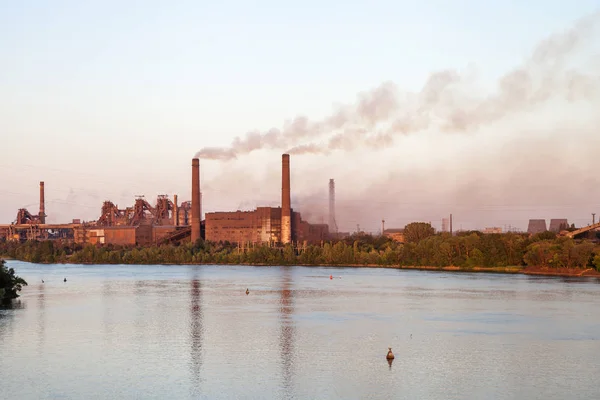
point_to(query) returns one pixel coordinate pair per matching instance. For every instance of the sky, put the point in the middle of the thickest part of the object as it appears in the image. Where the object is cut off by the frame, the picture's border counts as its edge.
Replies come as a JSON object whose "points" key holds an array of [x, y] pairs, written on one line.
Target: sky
{"points": [[109, 100]]}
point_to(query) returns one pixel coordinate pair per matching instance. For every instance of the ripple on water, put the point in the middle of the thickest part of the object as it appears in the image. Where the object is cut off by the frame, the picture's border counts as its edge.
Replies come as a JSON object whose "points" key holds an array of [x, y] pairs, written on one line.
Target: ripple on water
{"points": [[192, 332]]}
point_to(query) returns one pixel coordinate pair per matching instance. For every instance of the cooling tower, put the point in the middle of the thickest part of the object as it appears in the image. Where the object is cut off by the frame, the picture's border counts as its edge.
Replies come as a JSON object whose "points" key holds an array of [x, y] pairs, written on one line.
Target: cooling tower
{"points": [[556, 225], [196, 207], [536, 226], [286, 210]]}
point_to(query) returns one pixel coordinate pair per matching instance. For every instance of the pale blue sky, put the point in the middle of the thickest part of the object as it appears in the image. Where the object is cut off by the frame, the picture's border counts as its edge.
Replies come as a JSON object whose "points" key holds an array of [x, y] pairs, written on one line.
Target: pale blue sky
{"points": [[98, 90]]}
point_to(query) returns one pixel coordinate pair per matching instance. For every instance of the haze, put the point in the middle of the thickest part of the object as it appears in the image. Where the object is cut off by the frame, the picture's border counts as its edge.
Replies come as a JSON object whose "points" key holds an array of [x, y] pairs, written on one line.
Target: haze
{"points": [[487, 111]]}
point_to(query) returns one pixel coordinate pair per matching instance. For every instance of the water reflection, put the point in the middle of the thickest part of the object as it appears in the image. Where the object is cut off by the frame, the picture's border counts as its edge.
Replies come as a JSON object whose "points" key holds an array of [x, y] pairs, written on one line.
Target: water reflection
{"points": [[167, 330], [7, 315], [196, 333], [41, 306], [108, 294], [140, 320], [286, 336]]}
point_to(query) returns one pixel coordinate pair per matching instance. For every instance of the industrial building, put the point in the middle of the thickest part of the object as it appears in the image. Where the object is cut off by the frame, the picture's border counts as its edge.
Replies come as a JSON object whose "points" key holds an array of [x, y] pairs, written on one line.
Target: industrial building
{"points": [[493, 229], [168, 221], [28, 226], [445, 225], [266, 224], [395, 234]]}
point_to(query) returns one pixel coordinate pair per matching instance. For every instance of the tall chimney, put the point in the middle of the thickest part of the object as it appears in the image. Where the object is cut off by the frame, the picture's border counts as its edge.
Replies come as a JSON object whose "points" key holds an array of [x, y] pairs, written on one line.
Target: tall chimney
{"points": [[450, 224], [332, 224], [195, 199], [42, 204], [286, 209], [175, 211]]}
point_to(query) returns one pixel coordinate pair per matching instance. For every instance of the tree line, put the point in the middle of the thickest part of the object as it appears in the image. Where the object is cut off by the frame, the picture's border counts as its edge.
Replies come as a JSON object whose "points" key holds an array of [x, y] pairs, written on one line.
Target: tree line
{"points": [[422, 247]]}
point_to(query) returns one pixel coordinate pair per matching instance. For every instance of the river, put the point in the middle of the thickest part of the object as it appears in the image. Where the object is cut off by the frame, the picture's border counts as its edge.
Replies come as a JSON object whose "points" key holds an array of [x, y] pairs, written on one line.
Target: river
{"points": [[183, 332]]}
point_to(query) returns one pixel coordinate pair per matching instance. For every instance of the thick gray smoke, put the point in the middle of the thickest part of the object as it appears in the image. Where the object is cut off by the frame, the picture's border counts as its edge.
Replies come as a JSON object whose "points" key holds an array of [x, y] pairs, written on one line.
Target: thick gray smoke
{"points": [[445, 103], [533, 155]]}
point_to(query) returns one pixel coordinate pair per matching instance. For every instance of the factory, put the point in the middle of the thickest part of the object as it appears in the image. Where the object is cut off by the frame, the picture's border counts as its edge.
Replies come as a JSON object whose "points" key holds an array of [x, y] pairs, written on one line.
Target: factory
{"points": [[167, 221], [266, 224]]}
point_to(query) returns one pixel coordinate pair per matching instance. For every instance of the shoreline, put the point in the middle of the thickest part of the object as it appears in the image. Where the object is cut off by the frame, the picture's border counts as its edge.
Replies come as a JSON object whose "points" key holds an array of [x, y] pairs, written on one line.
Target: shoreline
{"points": [[512, 270]]}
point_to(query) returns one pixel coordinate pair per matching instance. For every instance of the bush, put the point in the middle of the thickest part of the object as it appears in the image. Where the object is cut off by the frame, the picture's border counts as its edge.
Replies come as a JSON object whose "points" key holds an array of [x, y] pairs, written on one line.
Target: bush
{"points": [[10, 284]]}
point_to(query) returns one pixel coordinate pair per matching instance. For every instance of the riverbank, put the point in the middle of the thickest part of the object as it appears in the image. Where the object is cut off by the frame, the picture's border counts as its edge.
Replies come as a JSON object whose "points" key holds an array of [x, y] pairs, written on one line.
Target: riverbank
{"points": [[588, 272], [564, 272], [472, 252]]}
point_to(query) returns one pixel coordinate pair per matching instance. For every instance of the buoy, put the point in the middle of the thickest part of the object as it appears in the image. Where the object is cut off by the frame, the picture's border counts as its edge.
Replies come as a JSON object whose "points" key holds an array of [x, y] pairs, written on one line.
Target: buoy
{"points": [[330, 276], [42, 281], [390, 355], [65, 280], [247, 291]]}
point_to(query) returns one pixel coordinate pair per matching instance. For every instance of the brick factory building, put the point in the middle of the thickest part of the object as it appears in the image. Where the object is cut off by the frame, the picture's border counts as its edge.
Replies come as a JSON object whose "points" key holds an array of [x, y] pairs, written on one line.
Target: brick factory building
{"points": [[262, 225], [265, 224]]}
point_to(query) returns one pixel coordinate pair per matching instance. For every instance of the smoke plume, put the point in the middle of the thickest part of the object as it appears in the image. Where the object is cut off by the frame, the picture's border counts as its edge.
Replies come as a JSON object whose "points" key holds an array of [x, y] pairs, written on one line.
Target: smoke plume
{"points": [[445, 103], [526, 150]]}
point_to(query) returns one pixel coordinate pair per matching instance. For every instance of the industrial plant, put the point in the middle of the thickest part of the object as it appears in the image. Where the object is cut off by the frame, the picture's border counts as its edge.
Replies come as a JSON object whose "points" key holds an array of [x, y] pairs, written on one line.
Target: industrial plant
{"points": [[167, 221]]}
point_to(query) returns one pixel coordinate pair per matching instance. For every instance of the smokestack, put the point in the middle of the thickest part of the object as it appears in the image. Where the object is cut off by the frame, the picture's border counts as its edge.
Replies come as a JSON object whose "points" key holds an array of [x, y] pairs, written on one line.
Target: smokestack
{"points": [[450, 224], [332, 223], [195, 199], [42, 204], [286, 211], [175, 211]]}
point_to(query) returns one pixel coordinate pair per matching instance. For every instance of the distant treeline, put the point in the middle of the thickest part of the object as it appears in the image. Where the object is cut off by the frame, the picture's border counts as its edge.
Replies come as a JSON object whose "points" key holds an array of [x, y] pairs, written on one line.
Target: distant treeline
{"points": [[423, 247]]}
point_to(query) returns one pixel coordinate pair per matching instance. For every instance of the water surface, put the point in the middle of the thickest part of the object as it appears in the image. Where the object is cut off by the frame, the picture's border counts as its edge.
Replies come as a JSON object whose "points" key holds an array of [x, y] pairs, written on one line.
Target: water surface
{"points": [[157, 332]]}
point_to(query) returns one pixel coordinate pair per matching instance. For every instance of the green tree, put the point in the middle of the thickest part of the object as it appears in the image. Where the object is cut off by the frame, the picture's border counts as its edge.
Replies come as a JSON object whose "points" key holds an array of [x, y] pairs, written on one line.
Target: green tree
{"points": [[417, 231], [597, 262], [10, 284]]}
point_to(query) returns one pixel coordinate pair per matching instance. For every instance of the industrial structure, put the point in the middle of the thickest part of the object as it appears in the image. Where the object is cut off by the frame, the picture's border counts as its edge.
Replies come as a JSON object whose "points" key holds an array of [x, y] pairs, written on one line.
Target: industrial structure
{"points": [[445, 225], [493, 229], [536, 226], [557, 225], [28, 226], [167, 221], [332, 222], [395, 234], [271, 225]]}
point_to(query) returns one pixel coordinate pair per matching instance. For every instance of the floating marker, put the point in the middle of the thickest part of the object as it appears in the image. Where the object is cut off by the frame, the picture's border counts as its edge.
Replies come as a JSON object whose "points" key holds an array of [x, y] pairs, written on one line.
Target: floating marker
{"points": [[390, 355]]}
